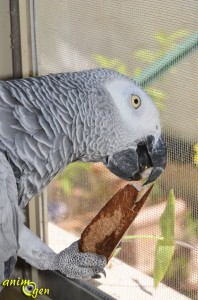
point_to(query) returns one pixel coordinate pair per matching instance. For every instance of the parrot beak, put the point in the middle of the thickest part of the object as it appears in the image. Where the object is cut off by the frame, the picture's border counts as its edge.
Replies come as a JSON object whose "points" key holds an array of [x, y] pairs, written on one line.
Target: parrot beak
{"points": [[132, 164], [157, 157]]}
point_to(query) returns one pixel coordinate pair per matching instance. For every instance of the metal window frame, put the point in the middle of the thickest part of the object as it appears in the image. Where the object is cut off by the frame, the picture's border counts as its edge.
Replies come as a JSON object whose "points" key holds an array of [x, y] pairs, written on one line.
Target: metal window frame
{"points": [[6, 68]]}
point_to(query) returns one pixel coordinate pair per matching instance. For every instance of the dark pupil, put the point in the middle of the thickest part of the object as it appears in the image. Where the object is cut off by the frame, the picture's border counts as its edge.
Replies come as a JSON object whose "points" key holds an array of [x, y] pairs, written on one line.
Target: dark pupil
{"points": [[136, 101]]}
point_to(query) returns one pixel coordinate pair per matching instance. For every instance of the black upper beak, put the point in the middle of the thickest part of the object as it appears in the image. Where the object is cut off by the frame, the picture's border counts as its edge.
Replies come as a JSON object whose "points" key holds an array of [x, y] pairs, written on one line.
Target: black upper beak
{"points": [[158, 156], [130, 164]]}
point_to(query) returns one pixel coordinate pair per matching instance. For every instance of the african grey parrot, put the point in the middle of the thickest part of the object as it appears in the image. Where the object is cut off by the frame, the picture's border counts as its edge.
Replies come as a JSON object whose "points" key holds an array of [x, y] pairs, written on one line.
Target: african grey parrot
{"points": [[50, 121]]}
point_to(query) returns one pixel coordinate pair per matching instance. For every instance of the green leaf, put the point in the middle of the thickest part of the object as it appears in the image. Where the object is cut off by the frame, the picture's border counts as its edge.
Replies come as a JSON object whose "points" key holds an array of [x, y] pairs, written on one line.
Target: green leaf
{"points": [[161, 106], [66, 185], [122, 69], [163, 257], [127, 238], [137, 72], [178, 34], [66, 177], [115, 64], [195, 148], [116, 251], [165, 248], [158, 97], [191, 225], [161, 37], [167, 220], [156, 93], [146, 55], [104, 62]]}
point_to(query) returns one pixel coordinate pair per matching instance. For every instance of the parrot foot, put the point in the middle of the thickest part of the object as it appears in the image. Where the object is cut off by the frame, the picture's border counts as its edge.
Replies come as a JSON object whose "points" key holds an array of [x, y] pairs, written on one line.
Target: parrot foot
{"points": [[72, 263]]}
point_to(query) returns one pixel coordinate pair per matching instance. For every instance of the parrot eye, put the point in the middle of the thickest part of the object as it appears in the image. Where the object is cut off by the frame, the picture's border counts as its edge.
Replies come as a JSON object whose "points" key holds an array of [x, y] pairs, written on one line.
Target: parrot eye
{"points": [[136, 101]]}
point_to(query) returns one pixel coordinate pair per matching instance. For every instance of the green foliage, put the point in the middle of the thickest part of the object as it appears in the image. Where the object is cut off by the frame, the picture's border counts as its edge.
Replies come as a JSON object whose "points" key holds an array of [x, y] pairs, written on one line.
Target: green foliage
{"points": [[117, 251], [165, 248], [180, 266], [157, 193], [191, 225], [165, 43], [115, 64], [146, 55], [66, 178], [158, 95], [141, 236], [195, 147], [165, 243], [170, 40]]}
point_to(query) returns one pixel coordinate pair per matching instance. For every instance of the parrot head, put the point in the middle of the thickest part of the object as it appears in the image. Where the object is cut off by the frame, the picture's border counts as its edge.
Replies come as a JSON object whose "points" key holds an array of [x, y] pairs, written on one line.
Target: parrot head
{"points": [[126, 129]]}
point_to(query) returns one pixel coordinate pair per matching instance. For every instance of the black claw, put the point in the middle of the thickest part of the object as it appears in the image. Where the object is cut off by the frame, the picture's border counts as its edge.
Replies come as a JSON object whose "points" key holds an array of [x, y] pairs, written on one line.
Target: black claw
{"points": [[96, 276], [104, 273]]}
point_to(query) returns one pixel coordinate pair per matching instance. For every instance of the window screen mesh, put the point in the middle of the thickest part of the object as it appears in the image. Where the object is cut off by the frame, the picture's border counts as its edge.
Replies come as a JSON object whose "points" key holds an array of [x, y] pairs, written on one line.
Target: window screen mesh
{"points": [[128, 36]]}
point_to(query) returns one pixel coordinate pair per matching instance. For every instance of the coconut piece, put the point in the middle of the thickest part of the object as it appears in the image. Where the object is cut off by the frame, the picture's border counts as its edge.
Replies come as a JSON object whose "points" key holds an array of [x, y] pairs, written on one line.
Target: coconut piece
{"points": [[105, 231]]}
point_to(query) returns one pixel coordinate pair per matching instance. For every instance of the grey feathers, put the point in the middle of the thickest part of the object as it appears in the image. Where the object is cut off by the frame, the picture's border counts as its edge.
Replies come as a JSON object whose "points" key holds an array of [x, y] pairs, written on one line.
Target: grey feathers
{"points": [[8, 218], [45, 124]]}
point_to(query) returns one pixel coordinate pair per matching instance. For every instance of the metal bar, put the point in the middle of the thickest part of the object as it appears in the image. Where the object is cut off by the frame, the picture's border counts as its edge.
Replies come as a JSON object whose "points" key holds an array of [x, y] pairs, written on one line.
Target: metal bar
{"points": [[173, 57], [42, 216], [26, 47], [15, 39], [26, 62], [33, 38], [6, 67]]}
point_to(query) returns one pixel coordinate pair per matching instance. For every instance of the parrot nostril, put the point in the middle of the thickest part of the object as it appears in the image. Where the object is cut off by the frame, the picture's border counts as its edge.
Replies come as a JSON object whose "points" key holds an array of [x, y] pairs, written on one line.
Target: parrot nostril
{"points": [[107, 159]]}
